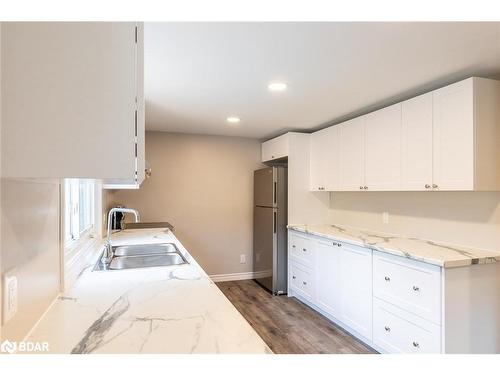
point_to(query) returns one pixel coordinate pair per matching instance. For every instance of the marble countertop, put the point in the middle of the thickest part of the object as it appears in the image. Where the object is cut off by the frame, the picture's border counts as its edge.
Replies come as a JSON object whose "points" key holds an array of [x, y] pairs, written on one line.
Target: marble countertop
{"points": [[174, 309], [440, 254]]}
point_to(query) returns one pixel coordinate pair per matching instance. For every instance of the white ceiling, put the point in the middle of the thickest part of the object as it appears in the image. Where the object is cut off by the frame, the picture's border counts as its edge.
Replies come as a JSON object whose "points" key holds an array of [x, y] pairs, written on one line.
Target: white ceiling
{"points": [[197, 74]]}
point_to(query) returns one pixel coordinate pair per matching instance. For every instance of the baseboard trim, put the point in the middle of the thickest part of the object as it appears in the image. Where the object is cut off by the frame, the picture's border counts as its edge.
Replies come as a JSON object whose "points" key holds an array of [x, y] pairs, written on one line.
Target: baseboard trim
{"points": [[232, 276], [240, 276]]}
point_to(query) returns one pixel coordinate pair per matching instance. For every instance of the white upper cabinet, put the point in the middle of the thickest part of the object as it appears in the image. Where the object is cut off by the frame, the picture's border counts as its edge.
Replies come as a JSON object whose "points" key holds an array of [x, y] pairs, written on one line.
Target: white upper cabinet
{"points": [[275, 148], [72, 100], [454, 137], [447, 139], [383, 149], [324, 159], [352, 154], [416, 143]]}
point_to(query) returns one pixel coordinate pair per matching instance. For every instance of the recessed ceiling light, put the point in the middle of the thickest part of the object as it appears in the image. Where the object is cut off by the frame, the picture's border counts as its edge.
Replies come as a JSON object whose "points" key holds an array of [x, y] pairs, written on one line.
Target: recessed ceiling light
{"points": [[277, 86], [233, 120]]}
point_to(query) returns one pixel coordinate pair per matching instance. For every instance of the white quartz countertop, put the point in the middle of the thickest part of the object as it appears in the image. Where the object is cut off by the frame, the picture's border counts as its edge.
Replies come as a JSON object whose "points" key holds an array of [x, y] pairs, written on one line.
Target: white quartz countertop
{"points": [[174, 309], [440, 254]]}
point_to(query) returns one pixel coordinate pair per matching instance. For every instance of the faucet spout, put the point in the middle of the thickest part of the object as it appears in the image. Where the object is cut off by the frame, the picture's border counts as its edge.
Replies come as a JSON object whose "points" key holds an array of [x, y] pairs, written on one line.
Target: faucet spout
{"points": [[108, 251]]}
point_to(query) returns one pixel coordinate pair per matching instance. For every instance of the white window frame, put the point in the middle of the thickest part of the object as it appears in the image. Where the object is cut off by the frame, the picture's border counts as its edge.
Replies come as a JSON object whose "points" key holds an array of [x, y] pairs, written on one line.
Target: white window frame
{"points": [[79, 245], [73, 233]]}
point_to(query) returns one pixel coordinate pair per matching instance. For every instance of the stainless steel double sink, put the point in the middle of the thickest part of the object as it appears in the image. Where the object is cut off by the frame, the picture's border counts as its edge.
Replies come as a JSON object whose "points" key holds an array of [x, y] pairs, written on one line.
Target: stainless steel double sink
{"points": [[141, 256]]}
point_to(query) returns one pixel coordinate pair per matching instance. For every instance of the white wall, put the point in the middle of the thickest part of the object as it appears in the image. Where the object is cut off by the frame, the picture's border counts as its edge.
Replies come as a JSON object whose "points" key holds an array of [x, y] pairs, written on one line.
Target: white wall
{"points": [[466, 218], [203, 185], [30, 246]]}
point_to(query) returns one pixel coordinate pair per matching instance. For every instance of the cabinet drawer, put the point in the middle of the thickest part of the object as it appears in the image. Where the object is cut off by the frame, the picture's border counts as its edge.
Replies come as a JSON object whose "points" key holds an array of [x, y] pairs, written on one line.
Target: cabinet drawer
{"points": [[301, 280], [302, 249], [411, 285], [397, 331]]}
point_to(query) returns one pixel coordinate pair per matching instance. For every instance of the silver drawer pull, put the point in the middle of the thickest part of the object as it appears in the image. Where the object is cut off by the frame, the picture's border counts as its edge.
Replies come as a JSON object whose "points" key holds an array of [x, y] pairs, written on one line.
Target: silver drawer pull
{"points": [[387, 329], [293, 246], [416, 288], [303, 282], [304, 250], [387, 278], [416, 344], [293, 277]]}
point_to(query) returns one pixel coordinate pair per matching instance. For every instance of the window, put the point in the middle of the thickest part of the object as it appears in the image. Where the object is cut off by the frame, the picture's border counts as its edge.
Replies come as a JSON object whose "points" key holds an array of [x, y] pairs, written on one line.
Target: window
{"points": [[78, 209]]}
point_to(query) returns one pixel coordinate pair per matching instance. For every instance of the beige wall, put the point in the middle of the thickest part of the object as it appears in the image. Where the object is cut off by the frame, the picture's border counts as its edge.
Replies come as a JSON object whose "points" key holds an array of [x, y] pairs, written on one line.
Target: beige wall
{"points": [[467, 218], [30, 246], [203, 185]]}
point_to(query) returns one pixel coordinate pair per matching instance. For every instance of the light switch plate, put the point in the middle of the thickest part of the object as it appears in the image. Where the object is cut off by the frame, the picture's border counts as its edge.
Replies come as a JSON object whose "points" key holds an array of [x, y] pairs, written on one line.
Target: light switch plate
{"points": [[243, 259], [9, 295]]}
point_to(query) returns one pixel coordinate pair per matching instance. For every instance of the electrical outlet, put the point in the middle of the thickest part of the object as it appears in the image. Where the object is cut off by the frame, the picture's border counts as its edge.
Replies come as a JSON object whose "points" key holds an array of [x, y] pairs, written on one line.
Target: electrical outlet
{"points": [[385, 217], [243, 259], [9, 295]]}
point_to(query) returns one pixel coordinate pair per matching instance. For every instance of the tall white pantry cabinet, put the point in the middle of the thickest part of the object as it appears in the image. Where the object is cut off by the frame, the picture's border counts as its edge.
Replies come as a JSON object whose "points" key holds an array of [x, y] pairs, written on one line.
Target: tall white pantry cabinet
{"points": [[73, 100]]}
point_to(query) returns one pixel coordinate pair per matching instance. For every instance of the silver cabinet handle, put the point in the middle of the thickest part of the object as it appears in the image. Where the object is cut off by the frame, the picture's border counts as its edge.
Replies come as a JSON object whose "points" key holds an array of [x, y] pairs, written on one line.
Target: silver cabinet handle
{"points": [[293, 277], [304, 250], [303, 282], [387, 278], [416, 288], [416, 344], [387, 329], [361, 188], [434, 186], [366, 188], [427, 186], [293, 246]]}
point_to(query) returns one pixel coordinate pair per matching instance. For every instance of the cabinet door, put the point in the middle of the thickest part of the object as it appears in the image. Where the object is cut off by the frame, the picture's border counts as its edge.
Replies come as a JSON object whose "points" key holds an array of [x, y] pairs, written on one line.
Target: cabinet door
{"points": [[316, 161], [275, 148], [324, 160], [416, 143], [69, 99], [352, 154], [383, 149], [356, 281], [453, 115], [327, 273]]}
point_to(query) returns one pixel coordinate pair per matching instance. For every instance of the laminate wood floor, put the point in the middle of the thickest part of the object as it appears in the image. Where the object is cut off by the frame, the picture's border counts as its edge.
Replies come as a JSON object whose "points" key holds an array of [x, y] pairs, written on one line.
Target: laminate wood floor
{"points": [[286, 324]]}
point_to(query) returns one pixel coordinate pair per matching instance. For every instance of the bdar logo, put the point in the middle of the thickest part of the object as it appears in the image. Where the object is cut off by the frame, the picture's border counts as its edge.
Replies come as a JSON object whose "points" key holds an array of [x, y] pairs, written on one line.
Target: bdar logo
{"points": [[8, 347]]}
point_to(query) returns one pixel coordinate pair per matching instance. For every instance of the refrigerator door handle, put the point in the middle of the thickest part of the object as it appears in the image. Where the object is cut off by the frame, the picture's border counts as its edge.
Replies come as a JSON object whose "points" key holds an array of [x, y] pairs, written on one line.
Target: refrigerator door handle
{"points": [[275, 191], [274, 222]]}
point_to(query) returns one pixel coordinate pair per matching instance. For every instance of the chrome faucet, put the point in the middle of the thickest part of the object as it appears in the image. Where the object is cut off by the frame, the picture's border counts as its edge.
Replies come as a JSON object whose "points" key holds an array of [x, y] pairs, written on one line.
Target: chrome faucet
{"points": [[108, 252]]}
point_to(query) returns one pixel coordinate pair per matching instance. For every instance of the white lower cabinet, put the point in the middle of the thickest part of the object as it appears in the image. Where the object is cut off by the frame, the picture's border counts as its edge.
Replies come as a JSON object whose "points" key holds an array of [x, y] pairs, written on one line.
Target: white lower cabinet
{"points": [[398, 331], [328, 277], [301, 280], [356, 288], [413, 286], [389, 302]]}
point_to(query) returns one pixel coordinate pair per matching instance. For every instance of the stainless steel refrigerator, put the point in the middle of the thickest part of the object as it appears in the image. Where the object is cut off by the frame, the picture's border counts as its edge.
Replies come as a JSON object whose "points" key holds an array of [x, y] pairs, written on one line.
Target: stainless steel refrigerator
{"points": [[269, 229]]}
